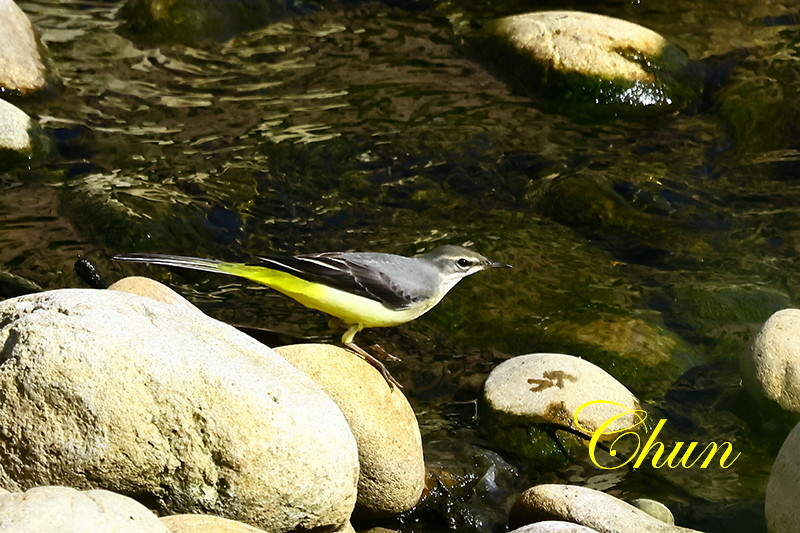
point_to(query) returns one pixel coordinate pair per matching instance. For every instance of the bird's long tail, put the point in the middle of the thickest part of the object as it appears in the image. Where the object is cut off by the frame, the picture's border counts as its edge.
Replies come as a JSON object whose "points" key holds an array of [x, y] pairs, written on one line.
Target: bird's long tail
{"points": [[301, 290], [193, 263]]}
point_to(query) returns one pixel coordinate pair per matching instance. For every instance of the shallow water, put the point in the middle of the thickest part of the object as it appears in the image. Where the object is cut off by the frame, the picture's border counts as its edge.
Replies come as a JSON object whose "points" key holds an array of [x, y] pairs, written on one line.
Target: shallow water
{"points": [[651, 248]]}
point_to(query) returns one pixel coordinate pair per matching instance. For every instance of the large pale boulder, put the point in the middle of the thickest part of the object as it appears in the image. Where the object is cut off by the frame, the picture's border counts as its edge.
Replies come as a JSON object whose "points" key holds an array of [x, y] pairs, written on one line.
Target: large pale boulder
{"points": [[66, 510], [111, 390], [384, 424]]}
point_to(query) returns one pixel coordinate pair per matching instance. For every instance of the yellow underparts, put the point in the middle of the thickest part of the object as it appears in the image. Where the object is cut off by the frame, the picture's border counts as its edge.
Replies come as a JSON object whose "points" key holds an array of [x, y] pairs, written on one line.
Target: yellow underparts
{"points": [[351, 309]]}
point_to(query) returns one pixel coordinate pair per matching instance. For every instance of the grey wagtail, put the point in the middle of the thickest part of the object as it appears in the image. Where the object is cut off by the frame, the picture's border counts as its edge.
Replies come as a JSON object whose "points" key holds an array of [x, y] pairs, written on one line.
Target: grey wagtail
{"points": [[361, 289]]}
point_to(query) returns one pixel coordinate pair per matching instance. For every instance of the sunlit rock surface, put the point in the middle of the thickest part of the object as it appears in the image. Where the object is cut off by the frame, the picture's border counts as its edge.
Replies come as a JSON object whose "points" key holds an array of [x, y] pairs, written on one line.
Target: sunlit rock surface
{"points": [[112, 390]]}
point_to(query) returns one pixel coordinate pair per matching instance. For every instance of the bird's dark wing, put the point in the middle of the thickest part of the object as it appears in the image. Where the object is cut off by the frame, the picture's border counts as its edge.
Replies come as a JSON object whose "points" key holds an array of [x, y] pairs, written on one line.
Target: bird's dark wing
{"points": [[367, 274]]}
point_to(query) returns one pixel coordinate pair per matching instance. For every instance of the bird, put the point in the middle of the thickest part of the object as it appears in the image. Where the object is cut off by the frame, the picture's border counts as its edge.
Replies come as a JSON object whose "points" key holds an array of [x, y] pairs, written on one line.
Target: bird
{"points": [[359, 289]]}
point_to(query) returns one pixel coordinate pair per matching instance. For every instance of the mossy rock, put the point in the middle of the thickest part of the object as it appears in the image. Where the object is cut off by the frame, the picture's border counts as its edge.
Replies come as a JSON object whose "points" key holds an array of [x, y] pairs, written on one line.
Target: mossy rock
{"points": [[759, 106], [643, 353], [725, 314], [589, 65]]}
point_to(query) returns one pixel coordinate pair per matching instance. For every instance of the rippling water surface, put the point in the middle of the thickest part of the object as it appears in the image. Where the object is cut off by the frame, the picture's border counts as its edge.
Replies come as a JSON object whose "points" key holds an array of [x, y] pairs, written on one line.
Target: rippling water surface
{"points": [[651, 248]]}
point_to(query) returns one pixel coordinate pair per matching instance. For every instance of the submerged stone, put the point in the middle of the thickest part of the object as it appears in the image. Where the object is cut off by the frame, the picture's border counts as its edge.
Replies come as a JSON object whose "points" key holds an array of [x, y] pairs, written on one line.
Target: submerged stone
{"points": [[655, 509], [188, 21], [724, 312], [589, 64]]}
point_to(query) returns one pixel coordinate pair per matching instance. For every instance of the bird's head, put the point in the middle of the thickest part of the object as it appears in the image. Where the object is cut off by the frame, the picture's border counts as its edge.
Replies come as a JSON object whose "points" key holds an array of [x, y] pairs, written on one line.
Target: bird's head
{"points": [[455, 262]]}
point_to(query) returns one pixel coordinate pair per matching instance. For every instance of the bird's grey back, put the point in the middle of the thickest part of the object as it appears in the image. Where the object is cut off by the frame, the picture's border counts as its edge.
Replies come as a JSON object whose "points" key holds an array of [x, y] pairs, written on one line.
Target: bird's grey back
{"points": [[414, 280]]}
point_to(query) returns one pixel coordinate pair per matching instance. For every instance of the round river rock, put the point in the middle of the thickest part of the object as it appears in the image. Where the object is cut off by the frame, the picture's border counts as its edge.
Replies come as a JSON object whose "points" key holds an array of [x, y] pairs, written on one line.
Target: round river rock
{"points": [[549, 389], [384, 424]]}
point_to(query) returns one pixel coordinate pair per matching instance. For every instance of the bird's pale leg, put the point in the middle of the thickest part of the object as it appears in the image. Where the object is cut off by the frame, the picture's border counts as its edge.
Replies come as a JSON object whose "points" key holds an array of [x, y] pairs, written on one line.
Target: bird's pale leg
{"points": [[380, 367], [347, 340]]}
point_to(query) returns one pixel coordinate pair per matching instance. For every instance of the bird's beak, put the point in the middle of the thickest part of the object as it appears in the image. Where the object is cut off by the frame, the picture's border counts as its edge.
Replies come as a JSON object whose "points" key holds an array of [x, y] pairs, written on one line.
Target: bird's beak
{"points": [[494, 264]]}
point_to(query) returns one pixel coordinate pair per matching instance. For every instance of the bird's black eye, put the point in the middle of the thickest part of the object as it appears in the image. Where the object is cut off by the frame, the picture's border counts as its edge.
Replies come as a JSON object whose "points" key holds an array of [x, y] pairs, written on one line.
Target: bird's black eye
{"points": [[463, 262]]}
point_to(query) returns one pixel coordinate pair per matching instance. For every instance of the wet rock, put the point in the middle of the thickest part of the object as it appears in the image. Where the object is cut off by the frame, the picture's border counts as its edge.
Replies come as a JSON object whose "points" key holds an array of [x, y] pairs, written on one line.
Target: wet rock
{"points": [[589, 63], [587, 507], [14, 126], [21, 66], [769, 367], [384, 424], [21, 138], [784, 486], [152, 289], [655, 509], [546, 389], [189, 21], [196, 523], [554, 526], [108, 389], [66, 510]]}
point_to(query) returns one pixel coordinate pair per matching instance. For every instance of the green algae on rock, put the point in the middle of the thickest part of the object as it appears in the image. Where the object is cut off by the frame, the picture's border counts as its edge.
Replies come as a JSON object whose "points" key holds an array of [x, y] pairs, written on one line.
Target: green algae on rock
{"points": [[589, 64]]}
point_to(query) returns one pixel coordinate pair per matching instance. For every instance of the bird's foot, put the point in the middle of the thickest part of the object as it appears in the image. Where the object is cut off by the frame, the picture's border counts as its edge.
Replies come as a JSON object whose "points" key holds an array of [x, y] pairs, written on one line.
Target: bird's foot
{"points": [[383, 353], [371, 359]]}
